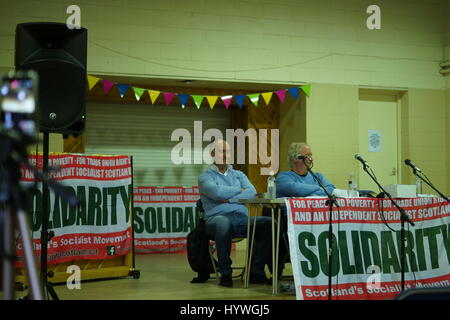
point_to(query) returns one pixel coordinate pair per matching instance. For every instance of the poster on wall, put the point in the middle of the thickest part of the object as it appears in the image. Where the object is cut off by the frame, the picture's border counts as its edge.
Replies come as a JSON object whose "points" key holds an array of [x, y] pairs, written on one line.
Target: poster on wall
{"points": [[163, 217], [100, 226], [374, 140], [366, 258]]}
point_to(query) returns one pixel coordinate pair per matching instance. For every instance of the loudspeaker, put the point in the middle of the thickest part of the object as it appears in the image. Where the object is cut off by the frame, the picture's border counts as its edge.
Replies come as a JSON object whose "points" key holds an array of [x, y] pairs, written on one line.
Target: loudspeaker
{"points": [[58, 54]]}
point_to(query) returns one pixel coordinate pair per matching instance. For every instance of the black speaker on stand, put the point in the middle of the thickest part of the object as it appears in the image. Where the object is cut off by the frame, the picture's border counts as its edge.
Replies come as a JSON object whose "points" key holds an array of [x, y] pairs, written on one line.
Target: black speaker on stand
{"points": [[59, 55]]}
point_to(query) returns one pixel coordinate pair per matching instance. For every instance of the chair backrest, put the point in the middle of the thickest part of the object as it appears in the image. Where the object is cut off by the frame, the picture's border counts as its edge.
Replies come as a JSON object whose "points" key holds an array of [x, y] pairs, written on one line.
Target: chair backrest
{"points": [[199, 205]]}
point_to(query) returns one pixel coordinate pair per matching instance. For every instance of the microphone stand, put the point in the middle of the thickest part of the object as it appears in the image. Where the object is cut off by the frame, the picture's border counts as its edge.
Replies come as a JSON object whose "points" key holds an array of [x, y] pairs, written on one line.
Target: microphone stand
{"points": [[403, 217], [415, 171], [330, 202]]}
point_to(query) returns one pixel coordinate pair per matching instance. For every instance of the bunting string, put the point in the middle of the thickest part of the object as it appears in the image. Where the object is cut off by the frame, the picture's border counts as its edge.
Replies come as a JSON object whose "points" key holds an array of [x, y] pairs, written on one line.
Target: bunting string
{"points": [[198, 99]]}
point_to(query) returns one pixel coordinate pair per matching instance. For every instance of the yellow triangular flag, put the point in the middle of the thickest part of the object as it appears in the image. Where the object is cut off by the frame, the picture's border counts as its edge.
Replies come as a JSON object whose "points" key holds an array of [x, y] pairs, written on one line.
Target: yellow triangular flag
{"points": [[153, 95], [212, 100], [267, 96], [92, 81]]}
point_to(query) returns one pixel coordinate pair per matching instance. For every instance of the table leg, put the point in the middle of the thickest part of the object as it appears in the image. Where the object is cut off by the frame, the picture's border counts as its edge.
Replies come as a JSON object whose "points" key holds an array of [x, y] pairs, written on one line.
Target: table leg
{"points": [[249, 255], [277, 251], [274, 249], [247, 249]]}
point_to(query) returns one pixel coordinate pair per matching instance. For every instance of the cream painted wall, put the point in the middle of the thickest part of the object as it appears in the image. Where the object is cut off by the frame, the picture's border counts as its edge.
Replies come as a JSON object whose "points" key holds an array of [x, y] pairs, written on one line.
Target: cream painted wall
{"points": [[425, 133], [332, 130], [447, 122], [323, 42], [292, 126], [273, 41]]}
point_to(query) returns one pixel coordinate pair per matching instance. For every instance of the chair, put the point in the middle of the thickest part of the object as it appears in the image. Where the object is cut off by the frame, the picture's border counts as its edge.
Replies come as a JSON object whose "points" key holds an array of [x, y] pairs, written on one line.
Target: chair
{"points": [[212, 247]]}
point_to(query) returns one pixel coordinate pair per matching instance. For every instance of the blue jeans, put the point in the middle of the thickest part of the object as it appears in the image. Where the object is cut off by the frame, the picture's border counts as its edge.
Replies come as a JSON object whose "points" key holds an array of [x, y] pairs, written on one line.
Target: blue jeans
{"points": [[224, 227]]}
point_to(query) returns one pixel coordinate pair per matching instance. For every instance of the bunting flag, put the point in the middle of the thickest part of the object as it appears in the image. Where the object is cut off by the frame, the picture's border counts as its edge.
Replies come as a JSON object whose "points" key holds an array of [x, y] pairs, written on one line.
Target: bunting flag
{"points": [[306, 89], [226, 100], [138, 92], [107, 85], [267, 96], [254, 98], [281, 94], [198, 99], [153, 95], [293, 92], [183, 99], [240, 100], [92, 81], [211, 100], [122, 89], [168, 96]]}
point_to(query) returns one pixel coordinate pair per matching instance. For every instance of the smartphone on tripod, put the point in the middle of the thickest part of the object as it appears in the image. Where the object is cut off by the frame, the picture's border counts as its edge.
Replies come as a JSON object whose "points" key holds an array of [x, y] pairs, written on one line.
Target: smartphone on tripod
{"points": [[18, 130]]}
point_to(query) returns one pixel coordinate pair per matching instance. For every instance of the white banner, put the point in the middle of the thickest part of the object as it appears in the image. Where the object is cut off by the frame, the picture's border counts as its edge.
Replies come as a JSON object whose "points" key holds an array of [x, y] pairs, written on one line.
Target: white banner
{"points": [[100, 227], [366, 259], [163, 217]]}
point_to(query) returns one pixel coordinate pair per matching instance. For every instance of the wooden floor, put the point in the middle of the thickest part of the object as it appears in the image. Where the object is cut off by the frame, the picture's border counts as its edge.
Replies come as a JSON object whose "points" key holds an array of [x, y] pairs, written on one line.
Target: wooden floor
{"points": [[167, 277]]}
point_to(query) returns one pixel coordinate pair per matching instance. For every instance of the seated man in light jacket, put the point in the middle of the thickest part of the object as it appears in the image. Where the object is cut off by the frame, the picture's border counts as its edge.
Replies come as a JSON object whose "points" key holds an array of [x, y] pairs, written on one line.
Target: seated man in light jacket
{"points": [[299, 182], [220, 189]]}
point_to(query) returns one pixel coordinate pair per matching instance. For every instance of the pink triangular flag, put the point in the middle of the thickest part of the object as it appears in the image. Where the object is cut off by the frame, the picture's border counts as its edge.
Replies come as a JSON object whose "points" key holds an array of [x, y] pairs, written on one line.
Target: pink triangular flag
{"points": [[281, 94], [107, 85], [168, 96], [226, 100]]}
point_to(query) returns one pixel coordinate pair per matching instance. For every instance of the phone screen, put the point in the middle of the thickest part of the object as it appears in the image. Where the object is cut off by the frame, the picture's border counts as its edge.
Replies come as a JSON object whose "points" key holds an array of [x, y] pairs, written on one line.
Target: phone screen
{"points": [[18, 93], [18, 102]]}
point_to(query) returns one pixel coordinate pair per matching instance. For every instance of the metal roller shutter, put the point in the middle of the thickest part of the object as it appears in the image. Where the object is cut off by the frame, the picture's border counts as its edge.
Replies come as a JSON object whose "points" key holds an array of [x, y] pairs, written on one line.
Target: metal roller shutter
{"points": [[144, 132]]}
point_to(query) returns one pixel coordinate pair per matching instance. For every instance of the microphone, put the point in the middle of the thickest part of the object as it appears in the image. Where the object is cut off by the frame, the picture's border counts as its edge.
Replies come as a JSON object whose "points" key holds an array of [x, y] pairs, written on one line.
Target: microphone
{"points": [[409, 163], [360, 159], [300, 157]]}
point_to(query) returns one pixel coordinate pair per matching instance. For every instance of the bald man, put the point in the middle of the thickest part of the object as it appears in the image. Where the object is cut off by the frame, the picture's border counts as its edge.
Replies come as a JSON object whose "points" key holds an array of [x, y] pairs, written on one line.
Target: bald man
{"points": [[220, 189]]}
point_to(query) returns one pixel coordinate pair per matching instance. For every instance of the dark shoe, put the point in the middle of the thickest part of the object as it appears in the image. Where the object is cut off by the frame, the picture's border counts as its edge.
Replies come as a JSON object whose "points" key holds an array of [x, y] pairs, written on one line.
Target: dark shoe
{"points": [[226, 281], [257, 279], [202, 278]]}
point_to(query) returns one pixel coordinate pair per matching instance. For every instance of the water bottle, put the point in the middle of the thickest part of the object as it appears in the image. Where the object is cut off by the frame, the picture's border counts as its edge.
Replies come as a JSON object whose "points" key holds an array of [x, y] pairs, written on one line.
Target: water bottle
{"points": [[418, 186], [352, 186], [271, 186]]}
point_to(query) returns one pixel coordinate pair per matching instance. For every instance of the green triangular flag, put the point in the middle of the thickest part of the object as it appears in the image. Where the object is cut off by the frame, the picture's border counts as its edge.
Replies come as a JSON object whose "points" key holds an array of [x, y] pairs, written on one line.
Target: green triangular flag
{"points": [[306, 89], [254, 97], [138, 92], [198, 100]]}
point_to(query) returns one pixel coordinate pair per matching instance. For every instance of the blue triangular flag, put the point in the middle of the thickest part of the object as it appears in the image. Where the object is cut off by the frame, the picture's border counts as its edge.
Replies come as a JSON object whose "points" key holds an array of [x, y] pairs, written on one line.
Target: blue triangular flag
{"points": [[293, 92], [183, 98], [240, 99], [122, 89]]}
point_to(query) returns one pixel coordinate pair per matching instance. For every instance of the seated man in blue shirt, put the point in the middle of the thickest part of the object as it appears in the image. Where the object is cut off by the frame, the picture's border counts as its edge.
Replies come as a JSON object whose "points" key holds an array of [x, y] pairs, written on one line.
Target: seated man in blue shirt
{"points": [[298, 182], [220, 189]]}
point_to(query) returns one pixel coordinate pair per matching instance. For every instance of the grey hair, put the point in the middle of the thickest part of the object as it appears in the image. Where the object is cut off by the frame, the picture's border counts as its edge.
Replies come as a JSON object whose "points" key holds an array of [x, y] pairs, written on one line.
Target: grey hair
{"points": [[293, 151]]}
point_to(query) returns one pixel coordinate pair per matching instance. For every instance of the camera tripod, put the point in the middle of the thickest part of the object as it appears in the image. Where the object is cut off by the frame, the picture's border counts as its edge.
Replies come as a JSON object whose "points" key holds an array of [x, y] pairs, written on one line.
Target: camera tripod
{"points": [[12, 199], [14, 218]]}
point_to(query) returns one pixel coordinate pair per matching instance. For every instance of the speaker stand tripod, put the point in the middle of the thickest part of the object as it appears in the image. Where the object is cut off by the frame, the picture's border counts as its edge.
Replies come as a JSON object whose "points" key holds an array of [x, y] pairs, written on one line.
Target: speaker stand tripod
{"points": [[45, 235]]}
